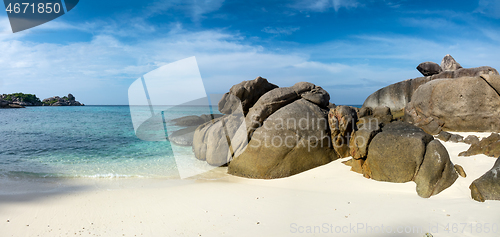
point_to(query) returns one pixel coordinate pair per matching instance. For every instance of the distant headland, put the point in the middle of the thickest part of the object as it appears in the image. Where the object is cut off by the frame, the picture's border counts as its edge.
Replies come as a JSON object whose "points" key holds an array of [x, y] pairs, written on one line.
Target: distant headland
{"points": [[20, 100]]}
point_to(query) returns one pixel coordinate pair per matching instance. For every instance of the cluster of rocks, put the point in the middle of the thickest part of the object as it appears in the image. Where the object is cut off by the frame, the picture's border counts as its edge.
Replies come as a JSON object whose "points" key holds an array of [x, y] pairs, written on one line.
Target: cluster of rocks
{"points": [[20, 100], [184, 136], [270, 132], [274, 133], [489, 146], [278, 132], [64, 101], [4, 104], [385, 149], [450, 98]]}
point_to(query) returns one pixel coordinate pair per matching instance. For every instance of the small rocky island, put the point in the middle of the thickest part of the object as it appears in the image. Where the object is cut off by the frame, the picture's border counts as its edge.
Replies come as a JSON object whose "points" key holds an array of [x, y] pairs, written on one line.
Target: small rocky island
{"points": [[20, 100]]}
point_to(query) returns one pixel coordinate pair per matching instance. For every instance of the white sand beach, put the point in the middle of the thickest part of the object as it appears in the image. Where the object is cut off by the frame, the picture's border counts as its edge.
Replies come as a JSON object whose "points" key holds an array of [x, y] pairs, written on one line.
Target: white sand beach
{"points": [[320, 202]]}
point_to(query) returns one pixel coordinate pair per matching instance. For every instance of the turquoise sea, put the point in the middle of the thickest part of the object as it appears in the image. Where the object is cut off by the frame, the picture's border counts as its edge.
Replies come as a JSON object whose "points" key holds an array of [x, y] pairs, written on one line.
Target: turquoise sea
{"points": [[88, 141], [82, 142]]}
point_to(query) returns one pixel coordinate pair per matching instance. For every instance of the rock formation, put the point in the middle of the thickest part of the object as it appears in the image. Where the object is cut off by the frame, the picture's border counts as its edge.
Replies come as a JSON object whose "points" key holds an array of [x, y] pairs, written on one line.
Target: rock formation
{"points": [[342, 121], [19, 100], [429, 68], [245, 94], [466, 104], [403, 153], [397, 96], [293, 139], [185, 136], [489, 146], [9, 105], [487, 187], [64, 101]]}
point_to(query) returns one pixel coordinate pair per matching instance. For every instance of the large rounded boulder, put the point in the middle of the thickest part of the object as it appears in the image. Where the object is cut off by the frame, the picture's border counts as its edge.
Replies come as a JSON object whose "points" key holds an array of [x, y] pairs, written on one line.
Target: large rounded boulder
{"points": [[466, 104], [280, 97], [291, 140], [487, 187], [403, 153], [244, 94]]}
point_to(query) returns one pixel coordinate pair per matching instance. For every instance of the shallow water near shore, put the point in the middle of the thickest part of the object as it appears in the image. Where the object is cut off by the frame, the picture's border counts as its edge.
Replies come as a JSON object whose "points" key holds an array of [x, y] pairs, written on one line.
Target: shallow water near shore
{"points": [[81, 142], [85, 142]]}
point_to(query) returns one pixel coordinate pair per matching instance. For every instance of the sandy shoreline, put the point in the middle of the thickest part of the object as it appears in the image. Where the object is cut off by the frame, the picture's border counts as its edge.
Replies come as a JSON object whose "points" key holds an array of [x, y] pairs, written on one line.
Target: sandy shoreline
{"points": [[326, 200]]}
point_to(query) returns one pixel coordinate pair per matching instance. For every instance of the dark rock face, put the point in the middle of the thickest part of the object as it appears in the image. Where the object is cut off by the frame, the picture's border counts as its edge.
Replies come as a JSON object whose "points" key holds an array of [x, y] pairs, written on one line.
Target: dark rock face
{"points": [[403, 153], [9, 105], [361, 139], [467, 104], [396, 152], [277, 98], [444, 136], [456, 138], [449, 64], [429, 68], [460, 170], [487, 187], [342, 121], [247, 93], [466, 72], [471, 139], [489, 146], [436, 173], [19, 100], [293, 139], [64, 101]]}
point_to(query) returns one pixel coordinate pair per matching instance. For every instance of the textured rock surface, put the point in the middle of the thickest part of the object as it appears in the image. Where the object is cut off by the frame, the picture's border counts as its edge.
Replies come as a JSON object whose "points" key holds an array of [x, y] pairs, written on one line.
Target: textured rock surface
{"points": [[403, 153], [456, 138], [183, 137], [396, 153], [64, 101], [460, 170], [247, 93], [466, 104], [194, 120], [213, 141], [280, 97], [436, 173], [444, 136], [281, 148], [487, 187], [429, 68], [489, 146], [342, 121], [395, 96], [398, 95], [449, 64], [466, 72], [471, 139]]}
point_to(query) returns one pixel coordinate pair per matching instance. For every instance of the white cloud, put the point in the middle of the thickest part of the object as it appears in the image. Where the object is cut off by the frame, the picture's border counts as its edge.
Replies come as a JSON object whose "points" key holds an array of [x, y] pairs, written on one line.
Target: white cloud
{"points": [[196, 9], [490, 8], [100, 71], [280, 30], [324, 5]]}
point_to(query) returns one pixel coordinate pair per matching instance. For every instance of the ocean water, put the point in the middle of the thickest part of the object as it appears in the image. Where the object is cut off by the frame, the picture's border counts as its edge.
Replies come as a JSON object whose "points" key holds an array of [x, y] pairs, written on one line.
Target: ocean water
{"points": [[83, 142], [89, 142]]}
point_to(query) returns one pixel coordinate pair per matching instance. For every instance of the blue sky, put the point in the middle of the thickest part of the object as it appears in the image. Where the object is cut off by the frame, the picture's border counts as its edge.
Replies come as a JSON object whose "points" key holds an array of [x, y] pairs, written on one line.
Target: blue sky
{"points": [[349, 47]]}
